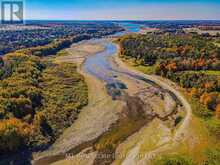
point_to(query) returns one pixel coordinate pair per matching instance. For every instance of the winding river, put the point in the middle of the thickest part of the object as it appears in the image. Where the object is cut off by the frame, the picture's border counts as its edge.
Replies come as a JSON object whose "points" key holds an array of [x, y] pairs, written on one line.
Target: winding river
{"points": [[103, 68], [99, 64]]}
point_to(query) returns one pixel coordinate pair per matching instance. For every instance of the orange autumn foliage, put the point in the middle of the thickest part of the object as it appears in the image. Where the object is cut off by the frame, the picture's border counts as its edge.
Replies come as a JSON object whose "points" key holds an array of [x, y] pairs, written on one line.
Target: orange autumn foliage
{"points": [[201, 63], [206, 99], [13, 134], [208, 85], [172, 66], [217, 111]]}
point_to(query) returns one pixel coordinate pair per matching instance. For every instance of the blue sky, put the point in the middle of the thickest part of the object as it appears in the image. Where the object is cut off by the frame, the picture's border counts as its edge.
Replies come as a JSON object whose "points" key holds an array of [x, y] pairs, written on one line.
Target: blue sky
{"points": [[122, 9]]}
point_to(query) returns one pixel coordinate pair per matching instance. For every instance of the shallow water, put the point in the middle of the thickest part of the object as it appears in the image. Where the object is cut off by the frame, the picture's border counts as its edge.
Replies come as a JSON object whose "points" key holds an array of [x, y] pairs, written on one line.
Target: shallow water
{"points": [[99, 64]]}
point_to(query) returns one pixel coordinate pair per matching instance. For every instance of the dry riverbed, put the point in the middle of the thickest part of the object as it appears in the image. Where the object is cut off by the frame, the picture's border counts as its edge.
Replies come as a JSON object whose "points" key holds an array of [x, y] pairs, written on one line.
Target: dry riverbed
{"points": [[141, 121], [94, 119]]}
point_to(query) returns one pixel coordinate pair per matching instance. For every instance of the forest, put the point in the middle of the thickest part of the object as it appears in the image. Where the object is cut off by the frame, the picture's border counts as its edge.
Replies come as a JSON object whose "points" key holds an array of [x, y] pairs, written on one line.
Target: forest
{"points": [[191, 60], [38, 100]]}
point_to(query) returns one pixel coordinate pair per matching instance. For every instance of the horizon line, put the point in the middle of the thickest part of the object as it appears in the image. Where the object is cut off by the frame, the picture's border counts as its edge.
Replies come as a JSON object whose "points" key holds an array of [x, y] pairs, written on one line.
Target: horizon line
{"points": [[122, 20]]}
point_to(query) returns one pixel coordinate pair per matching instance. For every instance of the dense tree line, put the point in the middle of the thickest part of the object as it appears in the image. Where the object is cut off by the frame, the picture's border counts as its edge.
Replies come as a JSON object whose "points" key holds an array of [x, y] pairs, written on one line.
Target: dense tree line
{"points": [[171, 48]]}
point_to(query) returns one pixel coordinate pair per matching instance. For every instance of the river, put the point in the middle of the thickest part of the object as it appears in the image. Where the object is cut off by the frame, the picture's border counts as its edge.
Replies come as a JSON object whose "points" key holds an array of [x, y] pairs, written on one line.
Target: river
{"points": [[103, 68], [99, 64]]}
